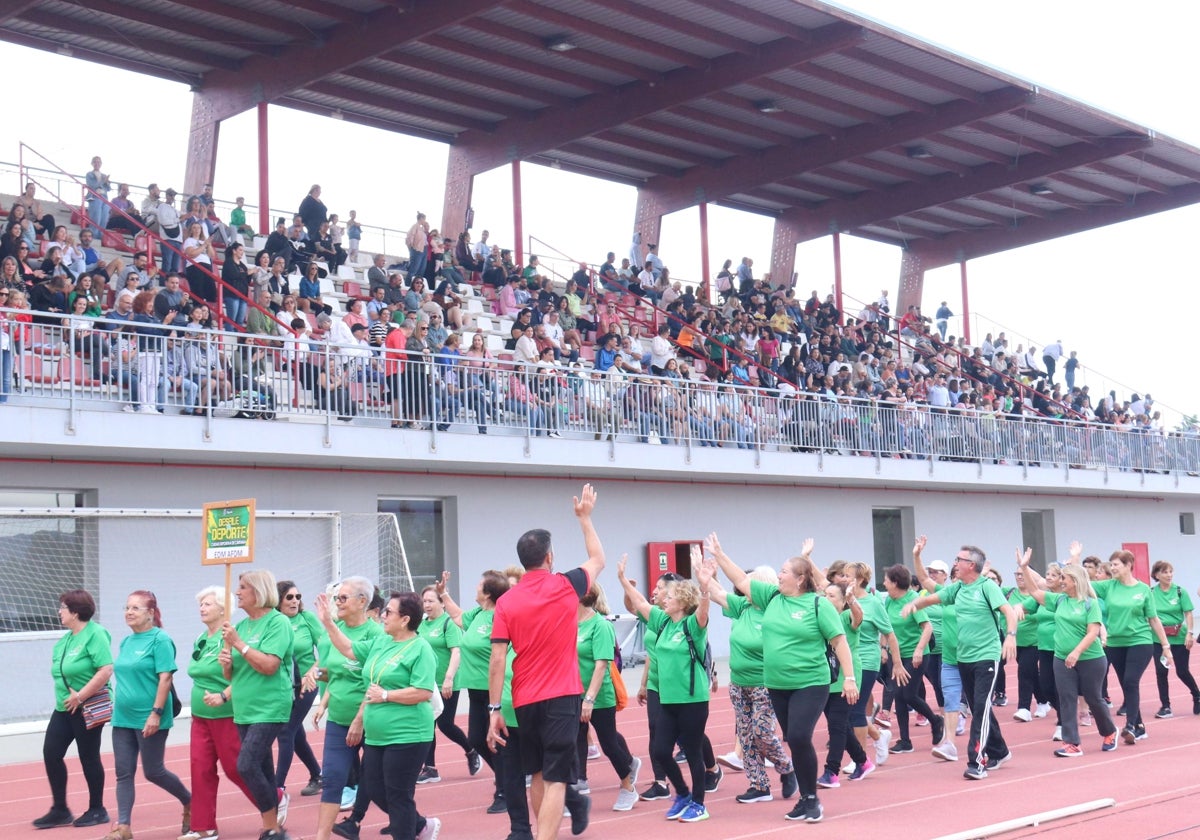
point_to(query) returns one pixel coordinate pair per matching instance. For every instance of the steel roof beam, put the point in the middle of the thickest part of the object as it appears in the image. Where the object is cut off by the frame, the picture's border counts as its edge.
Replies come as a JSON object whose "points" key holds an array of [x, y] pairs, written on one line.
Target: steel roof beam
{"points": [[1131, 178], [451, 71], [913, 74], [399, 106], [808, 124], [883, 94], [582, 150], [132, 65], [650, 147], [579, 55], [532, 68], [401, 85], [175, 26], [283, 27], [297, 104], [515, 141], [679, 24], [730, 124], [749, 14]]}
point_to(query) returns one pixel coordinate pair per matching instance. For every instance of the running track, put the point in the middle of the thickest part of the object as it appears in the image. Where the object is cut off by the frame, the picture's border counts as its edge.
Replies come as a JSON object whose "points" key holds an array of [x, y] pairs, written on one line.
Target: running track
{"points": [[914, 796]]}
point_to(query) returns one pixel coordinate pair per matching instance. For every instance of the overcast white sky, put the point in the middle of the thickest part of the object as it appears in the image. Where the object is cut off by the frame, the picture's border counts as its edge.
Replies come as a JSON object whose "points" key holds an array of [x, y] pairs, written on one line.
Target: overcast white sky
{"points": [[1124, 296]]}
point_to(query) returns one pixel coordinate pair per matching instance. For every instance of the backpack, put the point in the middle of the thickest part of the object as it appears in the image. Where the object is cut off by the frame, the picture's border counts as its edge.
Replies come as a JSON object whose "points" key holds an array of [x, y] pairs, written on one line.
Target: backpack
{"points": [[710, 668]]}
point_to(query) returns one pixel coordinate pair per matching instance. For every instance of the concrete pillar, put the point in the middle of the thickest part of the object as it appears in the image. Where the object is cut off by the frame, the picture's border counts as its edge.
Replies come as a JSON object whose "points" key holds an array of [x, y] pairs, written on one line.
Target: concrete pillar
{"points": [[460, 181], [202, 147], [912, 282], [783, 251], [647, 226]]}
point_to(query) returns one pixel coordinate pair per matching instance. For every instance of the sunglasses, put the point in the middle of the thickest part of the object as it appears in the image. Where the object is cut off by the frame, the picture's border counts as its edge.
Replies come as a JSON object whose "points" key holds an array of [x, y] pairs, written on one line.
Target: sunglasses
{"points": [[293, 596]]}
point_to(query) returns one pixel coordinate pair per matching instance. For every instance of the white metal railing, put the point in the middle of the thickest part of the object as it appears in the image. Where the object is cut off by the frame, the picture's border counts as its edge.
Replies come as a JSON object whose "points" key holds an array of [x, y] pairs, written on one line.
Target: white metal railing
{"points": [[79, 362]]}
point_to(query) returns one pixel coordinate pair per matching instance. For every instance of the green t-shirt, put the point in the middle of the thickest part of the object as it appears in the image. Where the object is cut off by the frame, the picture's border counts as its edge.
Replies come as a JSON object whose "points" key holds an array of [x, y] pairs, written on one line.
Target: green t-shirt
{"points": [[1044, 621], [794, 637], [77, 657], [949, 634], [1129, 611], [649, 641], [908, 630], [237, 217], [676, 667], [394, 665], [507, 711], [1027, 627], [345, 678], [1072, 618], [934, 613], [141, 658], [206, 674], [978, 625], [596, 641], [745, 641], [263, 698], [1171, 606], [475, 652], [443, 636], [852, 634], [875, 624], [308, 631]]}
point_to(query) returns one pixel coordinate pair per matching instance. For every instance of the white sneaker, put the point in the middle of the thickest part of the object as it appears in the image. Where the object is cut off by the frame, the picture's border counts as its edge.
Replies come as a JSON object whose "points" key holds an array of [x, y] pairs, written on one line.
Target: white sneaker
{"points": [[1043, 709], [211, 834], [1057, 734], [147, 409], [284, 801], [881, 746], [946, 751], [731, 761], [1024, 716], [849, 768], [433, 827], [635, 769], [129, 409], [349, 794], [593, 752], [961, 727], [625, 800]]}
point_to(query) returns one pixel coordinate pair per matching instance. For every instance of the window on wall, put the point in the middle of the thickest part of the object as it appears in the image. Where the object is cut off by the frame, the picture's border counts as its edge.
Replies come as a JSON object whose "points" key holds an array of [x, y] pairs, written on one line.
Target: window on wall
{"points": [[1187, 524], [1037, 532], [423, 530], [892, 529], [42, 555]]}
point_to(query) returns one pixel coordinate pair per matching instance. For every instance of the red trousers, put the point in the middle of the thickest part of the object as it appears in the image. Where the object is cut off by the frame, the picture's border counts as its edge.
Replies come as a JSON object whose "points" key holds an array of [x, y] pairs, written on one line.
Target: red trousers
{"points": [[213, 740]]}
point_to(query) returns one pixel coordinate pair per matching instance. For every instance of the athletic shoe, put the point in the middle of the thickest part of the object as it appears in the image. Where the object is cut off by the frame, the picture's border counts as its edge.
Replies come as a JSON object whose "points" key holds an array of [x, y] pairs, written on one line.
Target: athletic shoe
{"points": [[281, 810], [593, 752], [626, 799], [211, 834], [1196, 705], [849, 768], [347, 828], [961, 727], [1108, 702], [1023, 715], [1085, 719], [54, 818], [1128, 736], [583, 788], [272, 834], [96, 816], [1164, 712], [999, 699], [1121, 711], [946, 751], [312, 788], [1057, 734], [790, 784], [1139, 733], [349, 794], [712, 780], [731, 761], [974, 773], [922, 720], [997, 763], [428, 776], [937, 729], [1069, 751], [829, 780], [1109, 743], [1042, 710], [473, 762], [902, 746], [883, 719], [754, 795], [881, 747], [580, 813], [678, 805], [680, 756], [860, 773], [694, 812], [655, 791], [498, 806], [433, 827], [186, 819], [635, 769], [808, 809]]}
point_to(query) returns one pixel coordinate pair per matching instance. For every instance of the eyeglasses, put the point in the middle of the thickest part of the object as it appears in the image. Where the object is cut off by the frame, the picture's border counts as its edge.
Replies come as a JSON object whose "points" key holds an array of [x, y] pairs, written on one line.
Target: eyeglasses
{"points": [[134, 608], [388, 611], [341, 599], [293, 596]]}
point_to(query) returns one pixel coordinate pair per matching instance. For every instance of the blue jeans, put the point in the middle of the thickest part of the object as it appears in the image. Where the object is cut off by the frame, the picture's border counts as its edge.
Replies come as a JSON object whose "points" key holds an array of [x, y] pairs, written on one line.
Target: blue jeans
{"points": [[235, 310], [98, 213], [6, 371], [337, 760], [171, 261], [256, 765], [294, 741], [416, 263], [127, 744]]}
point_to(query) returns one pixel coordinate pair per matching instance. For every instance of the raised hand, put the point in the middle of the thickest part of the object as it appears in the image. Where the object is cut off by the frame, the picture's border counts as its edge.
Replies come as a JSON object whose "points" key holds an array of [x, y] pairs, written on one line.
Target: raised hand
{"points": [[1076, 548], [621, 566], [440, 584], [919, 545], [1023, 557], [806, 547], [585, 502]]}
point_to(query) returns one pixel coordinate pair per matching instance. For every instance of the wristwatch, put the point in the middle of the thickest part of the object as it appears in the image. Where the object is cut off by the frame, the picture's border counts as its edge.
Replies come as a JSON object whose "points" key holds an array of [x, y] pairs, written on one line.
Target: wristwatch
{"points": [[158, 710], [493, 707]]}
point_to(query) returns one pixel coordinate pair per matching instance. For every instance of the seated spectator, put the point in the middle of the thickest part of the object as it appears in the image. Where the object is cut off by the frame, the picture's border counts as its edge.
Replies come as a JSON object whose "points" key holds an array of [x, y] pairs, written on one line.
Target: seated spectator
{"points": [[120, 221], [507, 302], [261, 320], [172, 299], [309, 299], [91, 258], [464, 254], [451, 304], [237, 219], [356, 314]]}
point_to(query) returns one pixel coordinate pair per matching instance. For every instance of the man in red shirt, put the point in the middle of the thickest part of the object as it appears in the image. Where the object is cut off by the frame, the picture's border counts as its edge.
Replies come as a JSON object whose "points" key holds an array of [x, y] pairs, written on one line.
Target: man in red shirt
{"points": [[538, 616]]}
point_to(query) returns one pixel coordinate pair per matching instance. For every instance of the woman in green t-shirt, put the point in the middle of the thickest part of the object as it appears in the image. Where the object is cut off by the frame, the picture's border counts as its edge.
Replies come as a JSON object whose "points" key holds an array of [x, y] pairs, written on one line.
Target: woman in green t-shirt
{"points": [[1174, 607], [307, 632], [142, 710], [683, 684], [257, 661], [445, 637], [214, 736], [837, 710], [399, 668], [80, 665], [1079, 660]]}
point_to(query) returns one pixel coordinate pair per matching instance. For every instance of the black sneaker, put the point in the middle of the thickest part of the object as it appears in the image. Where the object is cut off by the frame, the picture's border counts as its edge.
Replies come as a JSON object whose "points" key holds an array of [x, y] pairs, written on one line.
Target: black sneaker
{"points": [[680, 757], [937, 728], [498, 806], [655, 791], [808, 809], [997, 763], [428, 775], [1128, 735], [1196, 705], [1121, 711], [712, 780], [974, 773], [92, 816], [272, 834], [797, 812], [580, 807], [312, 788], [473, 762], [347, 828], [902, 746], [999, 699], [54, 818], [754, 795], [790, 785], [1164, 712]]}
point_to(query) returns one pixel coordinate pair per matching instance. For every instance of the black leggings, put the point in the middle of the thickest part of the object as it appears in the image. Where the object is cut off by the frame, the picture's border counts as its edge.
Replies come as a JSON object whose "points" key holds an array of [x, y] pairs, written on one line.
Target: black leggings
{"points": [[445, 723], [1130, 663], [837, 715], [798, 710], [683, 722], [911, 695], [612, 743], [62, 729], [1046, 682], [1180, 654], [478, 721], [512, 784], [889, 686], [1028, 685], [390, 773], [932, 666]]}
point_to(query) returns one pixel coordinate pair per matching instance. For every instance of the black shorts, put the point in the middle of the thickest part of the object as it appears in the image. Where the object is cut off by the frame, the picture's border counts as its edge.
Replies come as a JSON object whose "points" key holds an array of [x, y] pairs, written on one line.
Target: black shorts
{"points": [[549, 729]]}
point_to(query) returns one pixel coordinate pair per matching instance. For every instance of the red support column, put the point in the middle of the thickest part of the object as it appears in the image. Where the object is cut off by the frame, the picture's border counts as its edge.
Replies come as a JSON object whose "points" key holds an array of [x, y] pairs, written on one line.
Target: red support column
{"points": [[966, 306], [837, 270], [518, 226], [264, 202], [705, 285]]}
